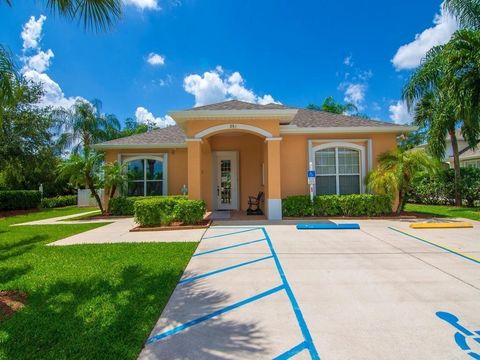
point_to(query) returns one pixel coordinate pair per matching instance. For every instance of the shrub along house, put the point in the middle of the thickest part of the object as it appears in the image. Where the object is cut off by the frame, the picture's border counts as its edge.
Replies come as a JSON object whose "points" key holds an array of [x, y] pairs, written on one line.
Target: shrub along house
{"points": [[223, 153]]}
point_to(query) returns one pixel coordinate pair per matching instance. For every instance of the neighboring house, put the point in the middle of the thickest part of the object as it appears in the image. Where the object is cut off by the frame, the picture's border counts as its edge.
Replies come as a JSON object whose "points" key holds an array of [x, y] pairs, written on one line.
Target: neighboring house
{"points": [[228, 151], [468, 157]]}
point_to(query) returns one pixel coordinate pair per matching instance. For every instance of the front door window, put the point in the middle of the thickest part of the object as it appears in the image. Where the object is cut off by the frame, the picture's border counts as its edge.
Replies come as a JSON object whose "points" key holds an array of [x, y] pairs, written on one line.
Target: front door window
{"points": [[226, 180]]}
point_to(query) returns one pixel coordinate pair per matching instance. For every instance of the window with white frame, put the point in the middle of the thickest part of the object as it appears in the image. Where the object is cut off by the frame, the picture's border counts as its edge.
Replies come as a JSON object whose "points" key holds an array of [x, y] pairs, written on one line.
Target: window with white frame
{"points": [[338, 171], [146, 176], [475, 163]]}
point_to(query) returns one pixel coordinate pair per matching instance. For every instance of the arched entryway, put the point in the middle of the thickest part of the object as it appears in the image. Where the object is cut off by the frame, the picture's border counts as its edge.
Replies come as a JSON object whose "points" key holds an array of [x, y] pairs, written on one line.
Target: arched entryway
{"points": [[229, 162]]}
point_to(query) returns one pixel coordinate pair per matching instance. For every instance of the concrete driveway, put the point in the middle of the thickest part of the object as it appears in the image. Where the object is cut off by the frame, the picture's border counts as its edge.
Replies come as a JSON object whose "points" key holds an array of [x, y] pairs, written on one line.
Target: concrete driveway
{"points": [[383, 292]]}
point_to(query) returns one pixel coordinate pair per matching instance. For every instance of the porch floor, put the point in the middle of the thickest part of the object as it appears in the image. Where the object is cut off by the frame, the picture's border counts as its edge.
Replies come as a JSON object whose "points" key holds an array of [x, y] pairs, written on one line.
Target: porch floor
{"points": [[229, 215]]}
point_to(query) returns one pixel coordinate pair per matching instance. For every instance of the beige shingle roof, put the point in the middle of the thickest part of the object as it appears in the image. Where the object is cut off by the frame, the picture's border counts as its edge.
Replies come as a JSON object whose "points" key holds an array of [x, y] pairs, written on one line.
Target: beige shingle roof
{"points": [[239, 105], [169, 135], [313, 118]]}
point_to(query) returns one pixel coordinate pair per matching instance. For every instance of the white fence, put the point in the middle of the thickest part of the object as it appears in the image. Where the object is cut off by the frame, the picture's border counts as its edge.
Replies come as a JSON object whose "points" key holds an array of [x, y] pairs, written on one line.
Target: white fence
{"points": [[85, 199]]}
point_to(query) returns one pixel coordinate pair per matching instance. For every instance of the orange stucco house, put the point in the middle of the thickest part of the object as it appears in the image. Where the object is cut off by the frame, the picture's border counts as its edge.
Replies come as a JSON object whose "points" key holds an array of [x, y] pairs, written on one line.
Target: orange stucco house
{"points": [[223, 153]]}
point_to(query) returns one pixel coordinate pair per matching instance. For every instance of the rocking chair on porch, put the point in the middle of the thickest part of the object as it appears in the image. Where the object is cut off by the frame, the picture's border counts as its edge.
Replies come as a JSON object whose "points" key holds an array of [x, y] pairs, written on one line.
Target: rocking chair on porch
{"points": [[254, 204]]}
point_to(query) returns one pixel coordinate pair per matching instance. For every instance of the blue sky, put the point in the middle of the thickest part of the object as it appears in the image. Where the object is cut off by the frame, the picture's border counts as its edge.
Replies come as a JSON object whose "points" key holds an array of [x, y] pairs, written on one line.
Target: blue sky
{"points": [[173, 54]]}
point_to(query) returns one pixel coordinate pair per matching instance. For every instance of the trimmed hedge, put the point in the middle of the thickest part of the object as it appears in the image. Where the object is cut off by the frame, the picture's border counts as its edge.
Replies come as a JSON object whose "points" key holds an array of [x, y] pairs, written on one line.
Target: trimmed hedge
{"points": [[19, 199], [438, 188], [124, 206], [189, 211], [59, 201], [338, 205], [163, 210]]}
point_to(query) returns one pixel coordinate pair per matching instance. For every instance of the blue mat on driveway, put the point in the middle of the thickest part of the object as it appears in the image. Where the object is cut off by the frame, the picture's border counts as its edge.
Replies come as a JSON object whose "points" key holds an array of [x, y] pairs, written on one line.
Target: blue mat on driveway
{"points": [[328, 226]]}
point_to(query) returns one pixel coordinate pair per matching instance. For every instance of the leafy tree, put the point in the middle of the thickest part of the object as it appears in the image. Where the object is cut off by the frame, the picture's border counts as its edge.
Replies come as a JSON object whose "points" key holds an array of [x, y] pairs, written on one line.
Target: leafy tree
{"points": [[330, 105], [28, 152], [412, 139], [83, 170], [94, 14], [132, 127], [396, 170]]}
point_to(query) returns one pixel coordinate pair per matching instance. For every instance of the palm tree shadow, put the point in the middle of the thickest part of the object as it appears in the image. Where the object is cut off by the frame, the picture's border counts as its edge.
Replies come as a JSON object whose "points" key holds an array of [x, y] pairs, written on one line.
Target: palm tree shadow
{"points": [[8, 274], [211, 339], [98, 317], [18, 248]]}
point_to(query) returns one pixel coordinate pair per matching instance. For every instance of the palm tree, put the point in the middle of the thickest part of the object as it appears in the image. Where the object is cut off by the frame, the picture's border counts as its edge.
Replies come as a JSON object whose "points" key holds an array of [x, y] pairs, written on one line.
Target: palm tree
{"points": [[83, 125], [114, 177], [395, 171], [428, 93], [83, 170], [95, 14], [463, 66], [8, 80], [467, 12]]}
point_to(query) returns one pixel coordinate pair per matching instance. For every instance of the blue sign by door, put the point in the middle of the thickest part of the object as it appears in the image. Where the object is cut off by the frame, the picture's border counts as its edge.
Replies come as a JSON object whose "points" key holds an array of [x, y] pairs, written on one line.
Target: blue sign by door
{"points": [[311, 173]]}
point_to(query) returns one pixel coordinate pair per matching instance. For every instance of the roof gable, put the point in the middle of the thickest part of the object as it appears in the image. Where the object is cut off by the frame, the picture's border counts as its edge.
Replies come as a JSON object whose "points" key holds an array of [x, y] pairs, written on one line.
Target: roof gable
{"points": [[239, 105]]}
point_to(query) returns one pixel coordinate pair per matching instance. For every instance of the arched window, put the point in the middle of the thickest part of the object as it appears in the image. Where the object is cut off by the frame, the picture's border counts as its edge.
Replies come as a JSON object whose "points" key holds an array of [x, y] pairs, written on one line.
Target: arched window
{"points": [[338, 171], [146, 177]]}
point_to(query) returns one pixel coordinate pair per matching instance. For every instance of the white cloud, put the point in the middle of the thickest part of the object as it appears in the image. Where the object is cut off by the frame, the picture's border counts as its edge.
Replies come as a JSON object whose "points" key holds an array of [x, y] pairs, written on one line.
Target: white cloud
{"points": [[355, 94], [36, 62], [155, 59], [399, 113], [214, 86], [143, 4], [32, 32], [410, 55], [144, 116]]}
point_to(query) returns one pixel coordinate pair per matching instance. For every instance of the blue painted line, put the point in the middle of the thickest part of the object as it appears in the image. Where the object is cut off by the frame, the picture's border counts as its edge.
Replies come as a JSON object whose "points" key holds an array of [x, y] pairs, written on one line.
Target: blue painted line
{"points": [[474, 355], [437, 245], [229, 247], [188, 280], [296, 308], [232, 233], [191, 323], [292, 352], [328, 226]]}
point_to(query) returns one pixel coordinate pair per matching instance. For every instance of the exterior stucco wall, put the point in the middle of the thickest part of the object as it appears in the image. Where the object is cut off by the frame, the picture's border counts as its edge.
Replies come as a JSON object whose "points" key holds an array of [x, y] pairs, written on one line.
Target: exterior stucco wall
{"points": [[295, 156], [193, 127], [177, 164]]}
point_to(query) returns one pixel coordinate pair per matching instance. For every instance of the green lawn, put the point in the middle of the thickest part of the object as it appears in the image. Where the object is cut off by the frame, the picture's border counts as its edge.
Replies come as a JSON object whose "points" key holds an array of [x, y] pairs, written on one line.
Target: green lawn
{"points": [[84, 301], [445, 211]]}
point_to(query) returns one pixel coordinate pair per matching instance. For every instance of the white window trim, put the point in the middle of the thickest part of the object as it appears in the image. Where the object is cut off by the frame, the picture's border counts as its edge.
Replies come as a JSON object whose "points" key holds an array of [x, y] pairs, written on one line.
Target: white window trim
{"points": [[336, 145], [125, 158]]}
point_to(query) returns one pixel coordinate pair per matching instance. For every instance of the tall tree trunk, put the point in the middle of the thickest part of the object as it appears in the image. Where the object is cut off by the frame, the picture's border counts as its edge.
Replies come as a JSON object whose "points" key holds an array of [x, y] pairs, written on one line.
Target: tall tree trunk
{"points": [[456, 166], [401, 200], [112, 191], [91, 186]]}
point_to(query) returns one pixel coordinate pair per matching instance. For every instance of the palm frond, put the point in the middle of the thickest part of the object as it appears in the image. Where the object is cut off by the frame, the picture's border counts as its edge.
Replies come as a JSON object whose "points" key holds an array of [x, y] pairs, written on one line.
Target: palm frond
{"points": [[467, 12], [94, 14]]}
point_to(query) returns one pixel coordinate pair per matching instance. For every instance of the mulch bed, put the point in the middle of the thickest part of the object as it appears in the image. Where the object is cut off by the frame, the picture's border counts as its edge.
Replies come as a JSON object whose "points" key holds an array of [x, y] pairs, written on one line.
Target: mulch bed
{"points": [[9, 213], [404, 215], [105, 217], [175, 226], [10, 302]]}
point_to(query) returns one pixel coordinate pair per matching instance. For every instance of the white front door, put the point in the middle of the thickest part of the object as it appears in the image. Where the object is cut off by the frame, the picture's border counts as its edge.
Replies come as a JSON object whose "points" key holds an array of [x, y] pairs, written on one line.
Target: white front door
{"points": [[226, 174]]}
